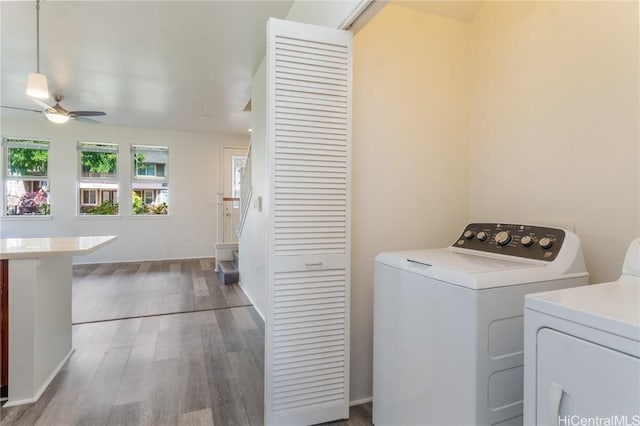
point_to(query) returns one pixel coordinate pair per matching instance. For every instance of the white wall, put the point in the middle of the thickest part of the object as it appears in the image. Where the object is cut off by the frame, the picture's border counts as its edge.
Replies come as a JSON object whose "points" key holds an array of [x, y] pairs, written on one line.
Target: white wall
{"points": [[410, 119], [253, 239], [554, 121], [194, 178]]}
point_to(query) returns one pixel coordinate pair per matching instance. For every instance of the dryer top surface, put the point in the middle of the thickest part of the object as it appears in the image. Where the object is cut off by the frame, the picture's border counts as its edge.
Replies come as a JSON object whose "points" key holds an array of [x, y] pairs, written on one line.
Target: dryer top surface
{"points": [[611, 307]]}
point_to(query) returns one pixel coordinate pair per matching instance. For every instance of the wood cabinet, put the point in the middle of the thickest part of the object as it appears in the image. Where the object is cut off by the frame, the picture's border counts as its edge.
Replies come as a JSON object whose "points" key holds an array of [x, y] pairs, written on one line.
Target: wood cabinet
{"points": [[4, 328]]}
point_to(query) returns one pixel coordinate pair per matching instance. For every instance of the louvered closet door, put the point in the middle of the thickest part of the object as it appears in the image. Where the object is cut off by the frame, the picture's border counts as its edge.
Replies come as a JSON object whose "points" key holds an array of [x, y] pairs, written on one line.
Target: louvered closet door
{"points": [[309, 135]]}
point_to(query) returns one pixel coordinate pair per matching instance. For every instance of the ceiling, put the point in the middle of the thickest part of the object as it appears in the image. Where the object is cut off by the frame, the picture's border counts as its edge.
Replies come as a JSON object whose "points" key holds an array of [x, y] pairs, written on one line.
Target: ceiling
{"points": [[181, 65]]}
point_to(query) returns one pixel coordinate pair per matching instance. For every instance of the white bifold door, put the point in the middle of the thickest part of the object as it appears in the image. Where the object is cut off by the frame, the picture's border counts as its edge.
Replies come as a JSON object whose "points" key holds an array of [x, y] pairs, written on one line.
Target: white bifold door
{"points": [[308, 270]]}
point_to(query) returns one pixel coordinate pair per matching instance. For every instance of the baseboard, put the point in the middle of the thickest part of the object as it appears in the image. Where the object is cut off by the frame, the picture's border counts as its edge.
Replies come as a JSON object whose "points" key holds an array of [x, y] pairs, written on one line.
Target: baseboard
{"points": [[144, 260], [250, 300], [360, 401], [44, 386]]}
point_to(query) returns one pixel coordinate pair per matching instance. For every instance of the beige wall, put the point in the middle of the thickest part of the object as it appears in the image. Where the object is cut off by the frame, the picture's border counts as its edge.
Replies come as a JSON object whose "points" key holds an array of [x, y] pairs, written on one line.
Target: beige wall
{"points": [[528, 113], [410, 119], [554, 121]]}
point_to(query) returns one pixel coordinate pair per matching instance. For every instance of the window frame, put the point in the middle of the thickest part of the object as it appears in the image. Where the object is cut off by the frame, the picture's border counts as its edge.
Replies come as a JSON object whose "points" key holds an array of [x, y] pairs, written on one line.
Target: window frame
{"points": [[89, 191], [146, 192], [43, 181], [96, 184], [236, 177], [140, 183]]}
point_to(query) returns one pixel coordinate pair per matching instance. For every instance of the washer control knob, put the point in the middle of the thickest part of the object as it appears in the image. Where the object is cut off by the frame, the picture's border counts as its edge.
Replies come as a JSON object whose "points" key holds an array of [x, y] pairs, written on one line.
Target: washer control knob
{"points": [[545, 242], [469, 234], [503, 238], [526, 241], [482, 235]]}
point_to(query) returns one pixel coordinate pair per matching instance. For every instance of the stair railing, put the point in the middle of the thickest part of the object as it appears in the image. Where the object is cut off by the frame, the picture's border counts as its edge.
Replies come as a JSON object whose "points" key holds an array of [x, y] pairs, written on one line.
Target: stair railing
{"points": [[246, 192]]}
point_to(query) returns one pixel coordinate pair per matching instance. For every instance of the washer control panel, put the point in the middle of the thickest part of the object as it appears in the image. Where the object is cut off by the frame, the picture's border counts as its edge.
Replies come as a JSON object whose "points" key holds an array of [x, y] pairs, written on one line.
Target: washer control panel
{"points": [[530, 242]]}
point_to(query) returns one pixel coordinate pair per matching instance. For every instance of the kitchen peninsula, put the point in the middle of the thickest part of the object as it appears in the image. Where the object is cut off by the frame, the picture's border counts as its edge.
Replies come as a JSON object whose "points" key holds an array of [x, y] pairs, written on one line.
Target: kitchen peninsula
{"points": [[35, 309]]}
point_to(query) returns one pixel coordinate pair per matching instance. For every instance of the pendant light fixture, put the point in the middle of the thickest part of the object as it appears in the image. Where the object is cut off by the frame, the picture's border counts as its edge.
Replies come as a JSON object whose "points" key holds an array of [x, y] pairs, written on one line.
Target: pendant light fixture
{"points": [[37, 86], [56, 117], [57, 114]]}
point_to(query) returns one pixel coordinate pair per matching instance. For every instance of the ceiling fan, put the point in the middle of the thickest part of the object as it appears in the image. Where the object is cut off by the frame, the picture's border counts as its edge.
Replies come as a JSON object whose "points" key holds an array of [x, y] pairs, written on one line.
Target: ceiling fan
{"points": [[58, 114]]}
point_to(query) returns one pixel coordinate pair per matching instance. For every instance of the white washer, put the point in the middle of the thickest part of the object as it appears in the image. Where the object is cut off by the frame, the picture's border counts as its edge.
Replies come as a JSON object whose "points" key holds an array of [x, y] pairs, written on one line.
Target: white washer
{"points": [[448, 323], [582, 352]]}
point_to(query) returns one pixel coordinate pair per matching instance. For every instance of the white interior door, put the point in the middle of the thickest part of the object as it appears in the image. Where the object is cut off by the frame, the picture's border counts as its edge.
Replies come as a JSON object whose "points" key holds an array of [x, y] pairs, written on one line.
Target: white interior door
{"points": [[308, 224], [233, 161]]}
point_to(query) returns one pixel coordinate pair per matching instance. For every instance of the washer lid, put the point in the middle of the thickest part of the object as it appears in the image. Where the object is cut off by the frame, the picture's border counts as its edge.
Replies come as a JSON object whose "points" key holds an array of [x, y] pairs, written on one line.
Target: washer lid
{"points": [[468, 263], [610, 307], [476, 272]]}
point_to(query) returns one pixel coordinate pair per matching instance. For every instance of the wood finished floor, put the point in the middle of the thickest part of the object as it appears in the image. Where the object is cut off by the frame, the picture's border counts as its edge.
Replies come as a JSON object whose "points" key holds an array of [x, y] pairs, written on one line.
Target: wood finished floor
{"points": [[199, 368], [126, 290]]}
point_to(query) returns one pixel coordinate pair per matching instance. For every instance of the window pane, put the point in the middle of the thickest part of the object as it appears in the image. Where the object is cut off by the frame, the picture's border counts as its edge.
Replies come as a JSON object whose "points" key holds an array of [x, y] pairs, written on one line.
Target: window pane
{"points": [[237, 166], [27, 162], [150, 163], [27, 197], [149, 197], [89, 197], [98, 198], [98, 164], [150, 201]]}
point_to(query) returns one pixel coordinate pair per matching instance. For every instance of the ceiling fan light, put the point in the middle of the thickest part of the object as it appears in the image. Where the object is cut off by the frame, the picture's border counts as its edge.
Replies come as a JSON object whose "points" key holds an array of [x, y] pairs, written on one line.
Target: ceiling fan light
{"points": [[54, 117], [37, 86]]}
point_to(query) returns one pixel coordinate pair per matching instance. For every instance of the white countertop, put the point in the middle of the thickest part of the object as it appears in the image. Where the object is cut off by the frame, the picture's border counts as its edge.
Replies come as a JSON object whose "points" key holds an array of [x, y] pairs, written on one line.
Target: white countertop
{"points": [[29, 248]]}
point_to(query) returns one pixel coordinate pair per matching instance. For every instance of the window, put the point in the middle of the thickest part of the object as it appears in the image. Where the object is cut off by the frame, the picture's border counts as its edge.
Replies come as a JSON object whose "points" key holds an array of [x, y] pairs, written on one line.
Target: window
{"points": [[89, 197], [26, 182], [238, 163], [150, 183], [149, 197], [98, 178]]}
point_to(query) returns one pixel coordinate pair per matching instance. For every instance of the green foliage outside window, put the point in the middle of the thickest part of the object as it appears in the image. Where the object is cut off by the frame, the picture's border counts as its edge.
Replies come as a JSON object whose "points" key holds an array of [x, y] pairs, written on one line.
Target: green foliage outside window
{"points": [[99, 162], [28, 162], [138, 159], [106, 208], [139, 207]]}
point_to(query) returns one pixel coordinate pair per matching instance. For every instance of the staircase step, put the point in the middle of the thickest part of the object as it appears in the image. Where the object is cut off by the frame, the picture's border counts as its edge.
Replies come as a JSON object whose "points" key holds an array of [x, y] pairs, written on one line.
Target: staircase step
{"points": [[228, 272]]}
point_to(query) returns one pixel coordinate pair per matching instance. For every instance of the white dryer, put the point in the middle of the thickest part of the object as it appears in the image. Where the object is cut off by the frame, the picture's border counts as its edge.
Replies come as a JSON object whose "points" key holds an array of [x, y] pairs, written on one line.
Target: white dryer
{"points": [[448, 323], [582, 352]]}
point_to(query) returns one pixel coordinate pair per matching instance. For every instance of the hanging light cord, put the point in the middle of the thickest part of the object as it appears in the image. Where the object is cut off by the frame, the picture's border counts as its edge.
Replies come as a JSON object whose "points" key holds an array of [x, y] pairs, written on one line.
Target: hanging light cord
{"points": [[38, 36]]}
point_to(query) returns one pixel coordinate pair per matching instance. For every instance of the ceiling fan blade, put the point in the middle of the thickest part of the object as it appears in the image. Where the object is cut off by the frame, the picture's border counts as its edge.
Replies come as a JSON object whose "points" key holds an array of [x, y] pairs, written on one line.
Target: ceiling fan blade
{"points": [[21, 109], [85, 120], [42, 104], [87, 113]]}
